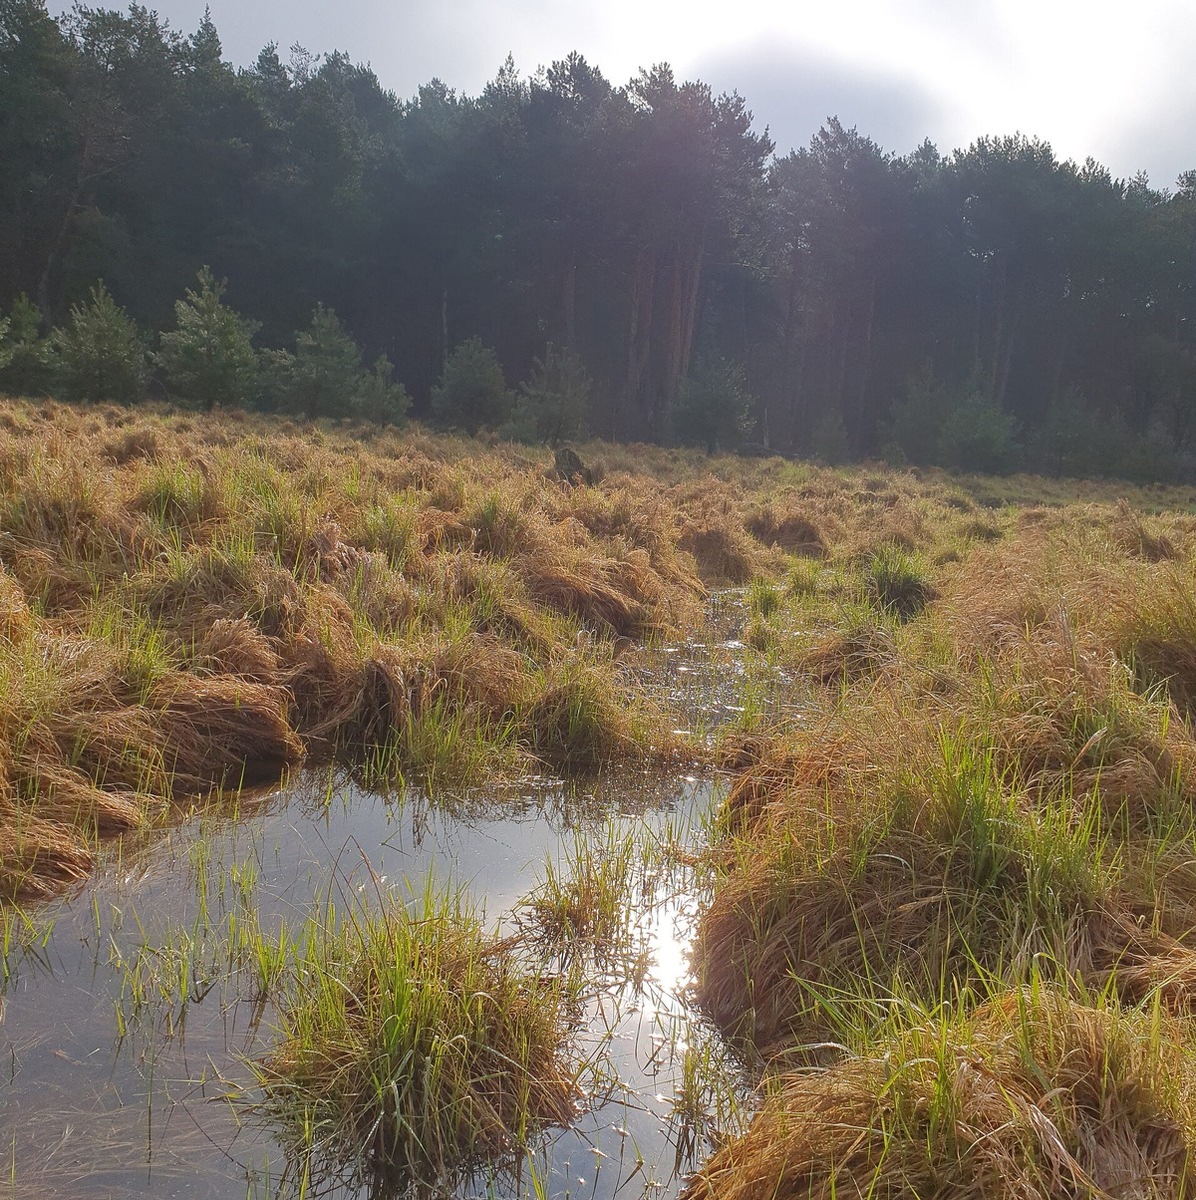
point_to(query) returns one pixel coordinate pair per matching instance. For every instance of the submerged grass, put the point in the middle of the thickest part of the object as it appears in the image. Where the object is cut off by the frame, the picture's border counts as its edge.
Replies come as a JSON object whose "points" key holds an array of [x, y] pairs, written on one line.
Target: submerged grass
{"points": [[591, 902]]}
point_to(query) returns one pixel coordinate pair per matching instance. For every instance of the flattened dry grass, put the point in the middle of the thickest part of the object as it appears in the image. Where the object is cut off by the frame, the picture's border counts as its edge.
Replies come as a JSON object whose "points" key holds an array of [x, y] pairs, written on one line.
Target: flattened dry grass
{"points": [[222, 732], [189, 604], [989, 822], [40, 858], [1033, 1096]]}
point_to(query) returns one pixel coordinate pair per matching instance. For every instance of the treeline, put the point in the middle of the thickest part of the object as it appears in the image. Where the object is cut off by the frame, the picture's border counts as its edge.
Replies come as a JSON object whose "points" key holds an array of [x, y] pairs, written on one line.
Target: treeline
{"points": [[638, 255]]}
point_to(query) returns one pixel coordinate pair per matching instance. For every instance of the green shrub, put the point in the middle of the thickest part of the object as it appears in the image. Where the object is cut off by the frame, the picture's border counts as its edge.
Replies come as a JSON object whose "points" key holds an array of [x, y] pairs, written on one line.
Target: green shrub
{"points": [[275, 379], [829, 441], [379, 400], [551, 407], [208, 357], [471, 393], [327, 366], [979, 436], [965, 430], [322, 377], [100, 354], [713, 406], [916, 420], [26, 358]]}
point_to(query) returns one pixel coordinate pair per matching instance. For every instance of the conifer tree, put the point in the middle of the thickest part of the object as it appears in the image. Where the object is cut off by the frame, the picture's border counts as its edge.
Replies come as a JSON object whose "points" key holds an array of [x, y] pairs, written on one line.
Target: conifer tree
{"points": [[100, 354], [208, 358]]}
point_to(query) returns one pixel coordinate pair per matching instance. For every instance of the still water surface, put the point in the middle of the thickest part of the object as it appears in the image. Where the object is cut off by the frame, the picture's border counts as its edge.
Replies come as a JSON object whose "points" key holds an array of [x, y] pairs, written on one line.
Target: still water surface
{"points": [[113, 1082]]}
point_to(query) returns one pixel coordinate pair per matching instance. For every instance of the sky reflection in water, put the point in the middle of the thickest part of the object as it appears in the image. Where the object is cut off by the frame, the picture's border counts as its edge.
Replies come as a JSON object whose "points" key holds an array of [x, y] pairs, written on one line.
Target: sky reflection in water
{"points": [[105, 1090]]}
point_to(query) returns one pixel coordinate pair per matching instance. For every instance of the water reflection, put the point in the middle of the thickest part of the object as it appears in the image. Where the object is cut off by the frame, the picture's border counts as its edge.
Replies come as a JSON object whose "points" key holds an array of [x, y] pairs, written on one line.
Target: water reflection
{"points": [[125, 1031]]}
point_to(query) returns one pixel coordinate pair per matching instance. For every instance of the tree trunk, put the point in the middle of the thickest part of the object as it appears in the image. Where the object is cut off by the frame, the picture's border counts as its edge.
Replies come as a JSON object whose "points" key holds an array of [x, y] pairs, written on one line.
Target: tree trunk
{"points": [[689, 301], [998, 325], [797, 406], [568, 303], [90, 168], [669, 347], [792, 361], [1003, 360], [55, 251], [639, 331], [977, 310], [443, 329], [866, 366]]}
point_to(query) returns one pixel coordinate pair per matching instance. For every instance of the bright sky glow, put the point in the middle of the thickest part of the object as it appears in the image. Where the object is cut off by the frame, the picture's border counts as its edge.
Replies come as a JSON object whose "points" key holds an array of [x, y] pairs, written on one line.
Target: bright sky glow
{"points": [[1092, 78]]}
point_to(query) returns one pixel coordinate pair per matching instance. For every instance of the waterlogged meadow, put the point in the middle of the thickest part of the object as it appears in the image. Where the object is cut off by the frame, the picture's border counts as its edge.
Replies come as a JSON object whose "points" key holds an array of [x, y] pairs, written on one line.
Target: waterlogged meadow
{"points": [[333, 992], [383, 815]]}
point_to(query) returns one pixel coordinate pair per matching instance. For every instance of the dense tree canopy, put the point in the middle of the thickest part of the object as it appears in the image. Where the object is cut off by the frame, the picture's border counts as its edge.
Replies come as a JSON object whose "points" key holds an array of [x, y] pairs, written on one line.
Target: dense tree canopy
{"points": [[641, 230]]}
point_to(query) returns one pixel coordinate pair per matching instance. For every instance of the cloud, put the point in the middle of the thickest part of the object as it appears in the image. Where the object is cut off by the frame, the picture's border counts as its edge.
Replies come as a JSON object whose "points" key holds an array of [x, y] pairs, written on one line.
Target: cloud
{"points": [[1158, 140], [1148, 125], [1078, 73], [794, 91]]}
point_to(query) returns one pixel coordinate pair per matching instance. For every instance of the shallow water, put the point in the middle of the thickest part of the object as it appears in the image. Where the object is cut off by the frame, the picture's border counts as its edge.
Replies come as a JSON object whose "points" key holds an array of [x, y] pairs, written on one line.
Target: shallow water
{"points": [[711, 683], [124, 1033]]}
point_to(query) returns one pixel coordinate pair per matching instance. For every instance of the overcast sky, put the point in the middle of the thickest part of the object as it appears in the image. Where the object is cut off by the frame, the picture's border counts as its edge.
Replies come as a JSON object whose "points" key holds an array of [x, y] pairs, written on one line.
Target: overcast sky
{"points": [[1114, 81]]}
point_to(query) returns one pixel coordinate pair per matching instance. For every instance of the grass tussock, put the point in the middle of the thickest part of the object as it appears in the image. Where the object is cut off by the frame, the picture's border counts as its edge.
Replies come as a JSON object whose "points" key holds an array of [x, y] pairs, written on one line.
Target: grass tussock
{"points": [[788, 530], [1062, 711], [1153, 630], [860, 648], [894, 583], [1141, 536], [715, 532], [842, 894], [575, 722], [188, 604], [588, 902], [959, 812], [851, 875], [416, 1045], [1032, 1096]]}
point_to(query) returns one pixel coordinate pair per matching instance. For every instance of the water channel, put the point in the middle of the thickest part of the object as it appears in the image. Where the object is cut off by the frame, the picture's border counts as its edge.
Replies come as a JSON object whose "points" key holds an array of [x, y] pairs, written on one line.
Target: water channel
{"points": [[126, 1028]]}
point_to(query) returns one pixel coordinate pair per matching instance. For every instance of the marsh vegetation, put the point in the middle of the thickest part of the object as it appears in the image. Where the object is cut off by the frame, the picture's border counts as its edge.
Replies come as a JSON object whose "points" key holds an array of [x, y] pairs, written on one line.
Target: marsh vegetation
{"points": [[363, 775]]}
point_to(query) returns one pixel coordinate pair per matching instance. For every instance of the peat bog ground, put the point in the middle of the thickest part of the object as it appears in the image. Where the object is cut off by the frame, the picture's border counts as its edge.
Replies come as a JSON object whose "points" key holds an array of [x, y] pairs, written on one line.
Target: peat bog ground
{"points": [[380, 814]]}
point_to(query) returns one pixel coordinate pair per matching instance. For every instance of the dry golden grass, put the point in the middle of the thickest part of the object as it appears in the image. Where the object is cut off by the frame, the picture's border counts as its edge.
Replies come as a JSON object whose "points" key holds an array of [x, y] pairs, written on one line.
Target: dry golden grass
{"points": [[1008, 778], [40, 858], [196, 603], [788, 529], [850, 654], [929, 837], [187, 603], [1034, 1097]]}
